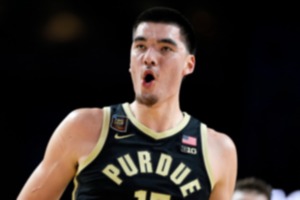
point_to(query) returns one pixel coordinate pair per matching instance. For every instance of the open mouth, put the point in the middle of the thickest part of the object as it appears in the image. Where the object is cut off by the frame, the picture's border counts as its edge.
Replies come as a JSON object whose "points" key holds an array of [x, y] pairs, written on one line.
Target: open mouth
{"points": [[148, 78]]}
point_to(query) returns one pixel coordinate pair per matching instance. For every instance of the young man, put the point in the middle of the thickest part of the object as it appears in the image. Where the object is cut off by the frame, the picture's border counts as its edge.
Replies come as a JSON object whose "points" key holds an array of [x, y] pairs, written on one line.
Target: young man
{"points": [[146, 149], [252, 188]]}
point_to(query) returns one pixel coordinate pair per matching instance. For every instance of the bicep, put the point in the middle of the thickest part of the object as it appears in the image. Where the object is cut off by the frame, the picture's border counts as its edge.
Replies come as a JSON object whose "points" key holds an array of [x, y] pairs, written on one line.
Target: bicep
{"points": [[225, 185], [53, 174], [48, 181], [72, 141]]}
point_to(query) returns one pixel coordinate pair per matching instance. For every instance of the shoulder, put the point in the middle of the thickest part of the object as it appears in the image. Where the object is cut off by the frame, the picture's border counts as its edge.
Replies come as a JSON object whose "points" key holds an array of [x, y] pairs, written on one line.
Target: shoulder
{"points": [[84, 116], [79, 131], [223, 158], [221, 147], [220, 141], [83, 123]]}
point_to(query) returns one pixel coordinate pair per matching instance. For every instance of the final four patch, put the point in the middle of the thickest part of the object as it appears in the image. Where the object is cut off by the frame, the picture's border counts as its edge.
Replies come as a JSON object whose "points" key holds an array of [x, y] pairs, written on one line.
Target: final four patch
{"points": [[119, 123]]}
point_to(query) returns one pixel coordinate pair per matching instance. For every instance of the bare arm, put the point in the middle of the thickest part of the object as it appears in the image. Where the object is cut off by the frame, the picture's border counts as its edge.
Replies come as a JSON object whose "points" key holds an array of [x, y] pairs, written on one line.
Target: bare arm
{"points": [[223, 158], [70, 143]]}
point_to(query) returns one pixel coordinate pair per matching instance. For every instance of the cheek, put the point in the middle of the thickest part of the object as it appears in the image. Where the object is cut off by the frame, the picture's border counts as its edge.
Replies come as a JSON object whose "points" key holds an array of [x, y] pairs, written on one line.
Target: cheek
{"points": [[134, 56], [133, 65], [173, 77], [176, 71], [133, 73], [133, 62]]}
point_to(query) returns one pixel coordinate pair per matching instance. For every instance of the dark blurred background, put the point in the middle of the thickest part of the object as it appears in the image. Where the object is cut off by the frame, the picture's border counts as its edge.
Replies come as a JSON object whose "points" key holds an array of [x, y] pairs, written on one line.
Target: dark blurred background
{"points": [[60, 55]]}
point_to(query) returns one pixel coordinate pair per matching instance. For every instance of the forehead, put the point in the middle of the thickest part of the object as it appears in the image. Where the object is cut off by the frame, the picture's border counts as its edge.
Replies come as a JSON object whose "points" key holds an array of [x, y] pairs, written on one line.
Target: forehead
{"points": [[151, 30]]}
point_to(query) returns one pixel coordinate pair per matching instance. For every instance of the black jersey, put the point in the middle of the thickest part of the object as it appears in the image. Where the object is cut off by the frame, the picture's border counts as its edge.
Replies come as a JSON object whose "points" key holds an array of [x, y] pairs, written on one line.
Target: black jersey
{"points": [[131, 161]]}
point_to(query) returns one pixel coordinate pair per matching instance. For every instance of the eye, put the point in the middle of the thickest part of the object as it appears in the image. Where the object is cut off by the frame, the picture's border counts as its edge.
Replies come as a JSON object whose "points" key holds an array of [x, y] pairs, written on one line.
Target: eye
{"points": [[166, 49], [140, 46]]}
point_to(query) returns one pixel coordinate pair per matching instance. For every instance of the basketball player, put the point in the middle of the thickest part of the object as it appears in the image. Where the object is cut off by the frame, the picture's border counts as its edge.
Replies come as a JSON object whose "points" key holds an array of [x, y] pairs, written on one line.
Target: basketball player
{"points": [[252, 188], [149, 148]]}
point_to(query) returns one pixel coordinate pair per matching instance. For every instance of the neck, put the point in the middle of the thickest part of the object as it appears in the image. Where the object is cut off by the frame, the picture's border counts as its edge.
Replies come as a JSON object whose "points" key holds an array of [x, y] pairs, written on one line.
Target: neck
{"points": [[159, 117]]}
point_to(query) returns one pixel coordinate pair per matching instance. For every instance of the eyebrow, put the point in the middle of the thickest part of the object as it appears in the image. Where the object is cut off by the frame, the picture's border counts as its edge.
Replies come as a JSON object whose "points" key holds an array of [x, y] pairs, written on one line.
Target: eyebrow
{"points": [[166, 40]]}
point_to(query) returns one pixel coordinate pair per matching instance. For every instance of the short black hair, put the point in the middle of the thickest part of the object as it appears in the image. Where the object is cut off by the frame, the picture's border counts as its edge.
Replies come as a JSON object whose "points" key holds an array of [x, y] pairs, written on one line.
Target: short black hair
{"points": [[250, 184], [170, 16]]}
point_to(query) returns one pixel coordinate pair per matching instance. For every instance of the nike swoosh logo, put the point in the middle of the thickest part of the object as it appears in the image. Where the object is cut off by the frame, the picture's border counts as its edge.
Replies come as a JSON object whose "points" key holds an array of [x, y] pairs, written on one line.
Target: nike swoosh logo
{"points": [[117, 136]]}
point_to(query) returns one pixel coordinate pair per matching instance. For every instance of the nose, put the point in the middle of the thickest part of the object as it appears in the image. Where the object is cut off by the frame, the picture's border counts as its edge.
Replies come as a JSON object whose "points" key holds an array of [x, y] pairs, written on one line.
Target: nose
{"points": [[150, 57]]}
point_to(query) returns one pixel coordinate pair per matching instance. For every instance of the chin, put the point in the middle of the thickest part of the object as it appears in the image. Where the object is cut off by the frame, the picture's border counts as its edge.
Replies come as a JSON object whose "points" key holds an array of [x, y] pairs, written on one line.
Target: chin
{"points": [[147, 100]]}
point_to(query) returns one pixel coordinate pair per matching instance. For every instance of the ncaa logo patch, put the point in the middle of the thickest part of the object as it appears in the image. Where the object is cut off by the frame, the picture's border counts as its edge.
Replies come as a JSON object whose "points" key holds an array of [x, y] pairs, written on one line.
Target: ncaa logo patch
{"points": [[119, 123]]}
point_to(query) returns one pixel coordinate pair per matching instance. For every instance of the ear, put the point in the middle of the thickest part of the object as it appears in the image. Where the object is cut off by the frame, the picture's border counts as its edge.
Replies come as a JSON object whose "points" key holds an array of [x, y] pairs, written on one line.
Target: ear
{"points": [[190, 65]]}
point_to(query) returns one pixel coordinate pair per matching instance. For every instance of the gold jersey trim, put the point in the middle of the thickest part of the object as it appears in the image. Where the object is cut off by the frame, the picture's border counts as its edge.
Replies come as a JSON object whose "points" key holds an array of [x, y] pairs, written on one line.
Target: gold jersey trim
{"points": [[97, 149], [203, 130], [156, 135]]}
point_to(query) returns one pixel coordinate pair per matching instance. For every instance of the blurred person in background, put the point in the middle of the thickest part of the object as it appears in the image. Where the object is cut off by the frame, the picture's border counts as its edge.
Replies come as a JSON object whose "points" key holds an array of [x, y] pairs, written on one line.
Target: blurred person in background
{"points": [[252, 188]]}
